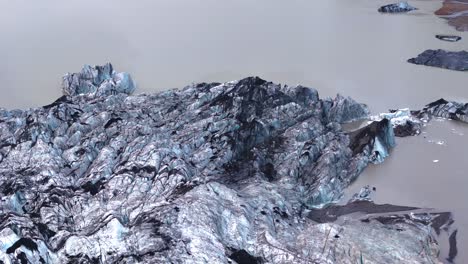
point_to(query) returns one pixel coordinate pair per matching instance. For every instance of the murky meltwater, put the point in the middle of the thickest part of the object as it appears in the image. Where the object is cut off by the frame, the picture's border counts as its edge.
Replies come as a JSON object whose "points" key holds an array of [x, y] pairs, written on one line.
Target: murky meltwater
{"points": [[428, 171], [334, 46]]}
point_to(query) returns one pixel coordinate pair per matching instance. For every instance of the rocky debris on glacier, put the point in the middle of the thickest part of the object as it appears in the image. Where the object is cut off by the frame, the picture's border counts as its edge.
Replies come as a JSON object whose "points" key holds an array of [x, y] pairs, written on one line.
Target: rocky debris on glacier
{"points": [[453, 60], [444, 109], [449, 38], [400, 7], [211, 173]]}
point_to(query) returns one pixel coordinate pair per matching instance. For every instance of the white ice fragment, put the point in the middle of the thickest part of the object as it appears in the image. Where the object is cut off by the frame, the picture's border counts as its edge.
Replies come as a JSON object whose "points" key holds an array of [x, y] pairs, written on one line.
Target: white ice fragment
{"points": [[456, 132], [437, 142], [398, 117]]}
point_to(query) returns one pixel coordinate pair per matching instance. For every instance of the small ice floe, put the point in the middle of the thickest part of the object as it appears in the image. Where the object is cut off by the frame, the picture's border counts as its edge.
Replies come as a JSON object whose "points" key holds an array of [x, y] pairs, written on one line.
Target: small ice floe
{"points": [[396, 8], [363, 195], [403, 122], [456, 132], [437, 142], [449, 38]]}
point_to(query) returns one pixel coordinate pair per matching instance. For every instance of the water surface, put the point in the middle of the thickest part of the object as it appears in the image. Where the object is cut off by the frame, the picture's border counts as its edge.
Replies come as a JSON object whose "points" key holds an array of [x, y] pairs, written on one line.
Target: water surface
{"points": [[334, 46], [427, 171]]}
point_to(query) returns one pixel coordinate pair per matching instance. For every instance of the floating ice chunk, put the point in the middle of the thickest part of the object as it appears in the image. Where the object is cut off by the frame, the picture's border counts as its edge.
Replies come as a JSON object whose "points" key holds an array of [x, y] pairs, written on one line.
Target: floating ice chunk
{"points": [[456, 132], [437, 142], [396, 8], [400, 114], [363, 195], [403, 122], [449, 38]]}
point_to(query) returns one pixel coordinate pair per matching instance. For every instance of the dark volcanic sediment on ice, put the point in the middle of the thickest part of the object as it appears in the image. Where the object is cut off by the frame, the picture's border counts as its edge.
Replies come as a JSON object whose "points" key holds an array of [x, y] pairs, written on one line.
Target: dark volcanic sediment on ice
{"points": [[401, 7], [211, 173], [449, 38], [452, 60]]}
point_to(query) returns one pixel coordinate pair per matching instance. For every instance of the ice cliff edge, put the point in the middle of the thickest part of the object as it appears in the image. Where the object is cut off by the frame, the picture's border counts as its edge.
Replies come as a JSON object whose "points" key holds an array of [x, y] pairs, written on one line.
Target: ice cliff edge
{"points": [[97, 81]]}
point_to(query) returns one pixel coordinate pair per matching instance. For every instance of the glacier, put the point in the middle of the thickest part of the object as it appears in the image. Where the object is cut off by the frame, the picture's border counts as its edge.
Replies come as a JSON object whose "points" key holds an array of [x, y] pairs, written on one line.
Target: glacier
{"points": [[246, 171]]}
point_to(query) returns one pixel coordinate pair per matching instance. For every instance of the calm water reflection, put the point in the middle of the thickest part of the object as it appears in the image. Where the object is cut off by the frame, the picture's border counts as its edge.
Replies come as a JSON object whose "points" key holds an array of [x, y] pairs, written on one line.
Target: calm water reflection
{"points": [[334, 45]]}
